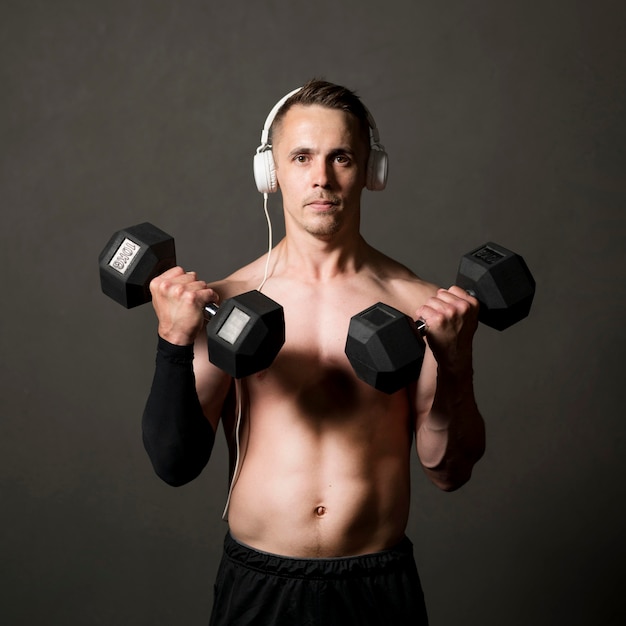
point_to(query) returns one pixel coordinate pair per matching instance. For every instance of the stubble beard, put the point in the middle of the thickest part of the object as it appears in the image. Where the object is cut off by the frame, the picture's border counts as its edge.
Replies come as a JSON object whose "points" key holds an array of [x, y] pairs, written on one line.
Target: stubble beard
{"points": [[324, 226], [327, 223]]}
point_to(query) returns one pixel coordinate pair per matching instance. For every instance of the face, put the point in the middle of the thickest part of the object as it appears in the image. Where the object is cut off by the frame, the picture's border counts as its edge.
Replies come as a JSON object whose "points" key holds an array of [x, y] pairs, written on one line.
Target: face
{"points": [[320, 156]]}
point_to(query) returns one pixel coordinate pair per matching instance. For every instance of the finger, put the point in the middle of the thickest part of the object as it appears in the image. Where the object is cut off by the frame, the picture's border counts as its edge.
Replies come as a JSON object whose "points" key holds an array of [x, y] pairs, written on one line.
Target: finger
{"points": [[443, 310], [172, 272], [210, 295], [452, 295], [461, 293], [204, 293], [454, 301], [438, 305], [432, 317], [189, 279]]}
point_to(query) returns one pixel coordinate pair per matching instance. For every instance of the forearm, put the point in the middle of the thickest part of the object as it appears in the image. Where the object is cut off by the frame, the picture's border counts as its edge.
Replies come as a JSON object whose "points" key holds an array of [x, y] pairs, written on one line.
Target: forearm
{"points": [[177, 436], [450, 438]]}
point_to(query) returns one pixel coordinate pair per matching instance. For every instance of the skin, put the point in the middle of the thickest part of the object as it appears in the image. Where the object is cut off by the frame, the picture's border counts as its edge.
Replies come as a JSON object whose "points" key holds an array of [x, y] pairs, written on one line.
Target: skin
{"points": [[325, 460]]}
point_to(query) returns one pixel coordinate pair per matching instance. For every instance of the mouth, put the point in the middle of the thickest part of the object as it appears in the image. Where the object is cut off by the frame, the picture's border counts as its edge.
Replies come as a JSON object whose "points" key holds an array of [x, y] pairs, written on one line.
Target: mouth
{"points": [[321, 204]]}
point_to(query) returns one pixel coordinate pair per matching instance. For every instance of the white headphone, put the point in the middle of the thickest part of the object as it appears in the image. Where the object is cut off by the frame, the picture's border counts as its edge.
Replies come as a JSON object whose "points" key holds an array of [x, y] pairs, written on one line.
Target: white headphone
{"points": [[265, 168]]}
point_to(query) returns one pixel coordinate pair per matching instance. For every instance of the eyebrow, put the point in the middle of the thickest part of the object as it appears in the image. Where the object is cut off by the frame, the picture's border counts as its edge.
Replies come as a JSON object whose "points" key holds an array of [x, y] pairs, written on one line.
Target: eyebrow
{"points": [[332, 153], [299, 150]]}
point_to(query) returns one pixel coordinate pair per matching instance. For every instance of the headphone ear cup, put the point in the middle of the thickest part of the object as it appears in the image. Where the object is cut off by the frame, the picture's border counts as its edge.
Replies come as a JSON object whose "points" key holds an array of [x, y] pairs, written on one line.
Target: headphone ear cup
{"points": [[265, 172], [377, 167]]}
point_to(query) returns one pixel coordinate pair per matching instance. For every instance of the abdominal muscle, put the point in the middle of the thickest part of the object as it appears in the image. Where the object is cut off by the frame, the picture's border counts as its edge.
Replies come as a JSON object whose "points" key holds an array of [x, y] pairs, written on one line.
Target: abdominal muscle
{"points": [[325, 459], [324, 470]]}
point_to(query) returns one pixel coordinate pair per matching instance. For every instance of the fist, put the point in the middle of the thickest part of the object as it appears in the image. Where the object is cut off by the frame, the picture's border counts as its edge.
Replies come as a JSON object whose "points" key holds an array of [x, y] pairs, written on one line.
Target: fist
{"points": [[451, 319], [179, 298]]}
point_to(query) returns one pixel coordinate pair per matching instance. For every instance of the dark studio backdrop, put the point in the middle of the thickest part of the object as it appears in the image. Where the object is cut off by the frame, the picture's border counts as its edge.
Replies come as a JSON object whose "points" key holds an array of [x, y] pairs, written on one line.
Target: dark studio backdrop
{"points": [[504, 121]]}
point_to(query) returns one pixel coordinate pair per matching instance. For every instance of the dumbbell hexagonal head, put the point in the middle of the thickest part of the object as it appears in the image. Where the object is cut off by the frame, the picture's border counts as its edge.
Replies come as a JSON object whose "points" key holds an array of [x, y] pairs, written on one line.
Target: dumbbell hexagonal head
{"points": [[502, 283], [384, 348], [131, 259], [246, 334]]}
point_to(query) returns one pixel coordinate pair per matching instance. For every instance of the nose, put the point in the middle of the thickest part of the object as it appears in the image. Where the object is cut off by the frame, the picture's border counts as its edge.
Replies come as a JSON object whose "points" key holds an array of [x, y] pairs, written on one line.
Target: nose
{"points": [[322, 174]]}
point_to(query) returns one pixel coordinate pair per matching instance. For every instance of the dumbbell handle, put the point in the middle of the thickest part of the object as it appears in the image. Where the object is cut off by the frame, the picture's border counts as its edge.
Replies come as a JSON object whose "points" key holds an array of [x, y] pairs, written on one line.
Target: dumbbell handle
{"points": [[210, 310], [422, 327]]}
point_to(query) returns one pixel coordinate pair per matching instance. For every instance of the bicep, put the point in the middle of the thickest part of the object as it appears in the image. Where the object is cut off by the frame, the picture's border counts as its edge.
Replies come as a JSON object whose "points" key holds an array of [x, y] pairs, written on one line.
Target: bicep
{"points": [[212, 384]]}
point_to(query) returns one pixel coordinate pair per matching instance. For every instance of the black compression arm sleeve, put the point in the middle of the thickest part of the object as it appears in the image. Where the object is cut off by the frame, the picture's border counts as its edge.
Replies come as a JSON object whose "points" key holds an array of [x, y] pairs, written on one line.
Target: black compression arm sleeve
{"points": [[177, 436]]}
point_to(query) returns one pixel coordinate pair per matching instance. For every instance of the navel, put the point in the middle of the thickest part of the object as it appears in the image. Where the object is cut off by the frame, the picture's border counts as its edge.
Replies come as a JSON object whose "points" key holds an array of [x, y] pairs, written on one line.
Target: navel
{"points": [[320, 511]]}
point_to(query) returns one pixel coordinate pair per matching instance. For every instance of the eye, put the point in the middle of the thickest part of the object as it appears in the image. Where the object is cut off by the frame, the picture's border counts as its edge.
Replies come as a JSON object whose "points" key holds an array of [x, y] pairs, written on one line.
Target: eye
{"points": [[301, 158], [342, 159]]}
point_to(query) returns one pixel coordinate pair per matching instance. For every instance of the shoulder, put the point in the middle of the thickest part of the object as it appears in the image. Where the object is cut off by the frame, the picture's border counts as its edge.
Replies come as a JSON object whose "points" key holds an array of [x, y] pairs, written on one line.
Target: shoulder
{"points": [[402, 287], [244, 279]]}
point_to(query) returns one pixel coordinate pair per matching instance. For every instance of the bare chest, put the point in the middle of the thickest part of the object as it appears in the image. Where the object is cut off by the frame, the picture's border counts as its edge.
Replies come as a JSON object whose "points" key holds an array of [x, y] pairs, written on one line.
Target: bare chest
{"points": [[317, 322], [312, 377]]}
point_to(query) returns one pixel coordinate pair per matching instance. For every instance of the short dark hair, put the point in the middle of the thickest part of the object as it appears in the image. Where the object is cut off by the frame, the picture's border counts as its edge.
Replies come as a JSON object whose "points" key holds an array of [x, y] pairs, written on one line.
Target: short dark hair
{"points": [[330, 95]]}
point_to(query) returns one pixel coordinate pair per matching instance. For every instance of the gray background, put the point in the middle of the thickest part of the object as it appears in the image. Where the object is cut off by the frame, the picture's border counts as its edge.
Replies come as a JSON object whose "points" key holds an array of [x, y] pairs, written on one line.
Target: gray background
{"points": [[504, 121]]}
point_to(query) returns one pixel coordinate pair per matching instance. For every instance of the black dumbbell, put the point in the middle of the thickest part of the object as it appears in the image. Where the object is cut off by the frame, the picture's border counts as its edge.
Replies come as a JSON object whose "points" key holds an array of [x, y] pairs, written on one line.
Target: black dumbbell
{"points": [[245, 333], [385, 346]]}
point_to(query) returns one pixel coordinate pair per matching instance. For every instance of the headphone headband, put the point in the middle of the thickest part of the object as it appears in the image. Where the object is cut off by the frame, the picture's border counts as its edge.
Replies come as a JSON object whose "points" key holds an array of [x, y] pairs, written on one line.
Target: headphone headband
{"points": [[265, 134], [265, 170]]}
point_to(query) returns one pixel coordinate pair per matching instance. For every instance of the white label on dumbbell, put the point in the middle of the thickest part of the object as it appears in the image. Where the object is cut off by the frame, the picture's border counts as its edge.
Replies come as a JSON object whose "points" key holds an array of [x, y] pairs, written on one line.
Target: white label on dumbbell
{"points": [[234, 324], [124, 256]]}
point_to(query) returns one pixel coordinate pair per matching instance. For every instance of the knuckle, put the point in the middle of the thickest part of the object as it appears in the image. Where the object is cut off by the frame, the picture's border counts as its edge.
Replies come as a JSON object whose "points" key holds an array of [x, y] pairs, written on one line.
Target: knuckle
{"points": [[168, 288], [177, 290], [154, 284], [437, 319], [188, 296], [464, 307]]}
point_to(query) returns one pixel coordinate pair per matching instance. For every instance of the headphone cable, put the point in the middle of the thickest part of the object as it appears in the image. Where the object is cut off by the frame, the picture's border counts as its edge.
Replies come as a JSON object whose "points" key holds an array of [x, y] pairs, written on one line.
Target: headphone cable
{"points": [[269, 244], [238, 386]]}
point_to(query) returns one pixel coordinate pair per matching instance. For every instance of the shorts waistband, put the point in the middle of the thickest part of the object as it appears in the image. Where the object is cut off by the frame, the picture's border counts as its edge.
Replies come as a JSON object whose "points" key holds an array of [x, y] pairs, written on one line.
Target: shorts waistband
{"points": [[310, 568]]}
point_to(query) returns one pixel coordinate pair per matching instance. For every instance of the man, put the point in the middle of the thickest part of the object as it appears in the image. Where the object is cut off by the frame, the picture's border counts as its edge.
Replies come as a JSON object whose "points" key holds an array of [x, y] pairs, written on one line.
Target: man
{"points": [[320, 499]]}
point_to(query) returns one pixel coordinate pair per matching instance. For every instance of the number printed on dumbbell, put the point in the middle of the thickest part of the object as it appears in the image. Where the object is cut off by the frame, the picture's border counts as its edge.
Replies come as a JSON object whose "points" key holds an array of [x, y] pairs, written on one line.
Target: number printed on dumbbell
{"points": [[488, 255], [124, 255]]}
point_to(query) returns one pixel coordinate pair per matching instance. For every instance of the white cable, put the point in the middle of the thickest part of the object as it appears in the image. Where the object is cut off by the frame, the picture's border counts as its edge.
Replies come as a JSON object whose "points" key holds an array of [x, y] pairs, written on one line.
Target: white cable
{"points": [[269, 245], [238, 394], [238, 385]]}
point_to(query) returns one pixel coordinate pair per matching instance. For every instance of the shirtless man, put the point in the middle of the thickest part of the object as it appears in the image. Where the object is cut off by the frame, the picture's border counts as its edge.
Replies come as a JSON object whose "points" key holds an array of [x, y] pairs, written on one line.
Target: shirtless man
{"points": [[324, 462]]}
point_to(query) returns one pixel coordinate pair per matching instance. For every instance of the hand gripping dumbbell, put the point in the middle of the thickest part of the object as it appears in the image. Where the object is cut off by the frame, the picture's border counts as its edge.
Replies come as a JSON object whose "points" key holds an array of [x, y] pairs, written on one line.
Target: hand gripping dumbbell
{"points": [[245, 333], [385, 347]]}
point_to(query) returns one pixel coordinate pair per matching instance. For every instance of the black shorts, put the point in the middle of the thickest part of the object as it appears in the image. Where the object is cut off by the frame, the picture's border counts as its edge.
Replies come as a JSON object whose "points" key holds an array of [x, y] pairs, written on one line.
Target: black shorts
{"points": [[259, 589]]}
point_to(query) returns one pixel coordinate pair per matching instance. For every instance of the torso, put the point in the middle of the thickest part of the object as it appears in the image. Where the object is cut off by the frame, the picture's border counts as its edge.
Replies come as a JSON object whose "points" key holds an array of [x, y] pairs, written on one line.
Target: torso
{"points": [[324, 468]]}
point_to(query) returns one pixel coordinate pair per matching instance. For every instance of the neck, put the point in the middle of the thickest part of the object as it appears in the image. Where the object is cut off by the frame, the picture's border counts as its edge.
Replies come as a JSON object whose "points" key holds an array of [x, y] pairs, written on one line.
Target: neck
{"points": [[318, 259]]}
